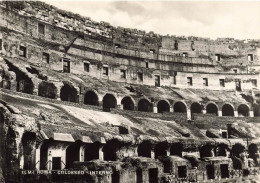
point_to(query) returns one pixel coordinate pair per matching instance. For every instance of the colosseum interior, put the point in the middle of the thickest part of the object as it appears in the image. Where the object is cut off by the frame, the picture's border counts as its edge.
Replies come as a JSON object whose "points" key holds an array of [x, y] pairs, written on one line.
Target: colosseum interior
{"points": [[121, 105]]}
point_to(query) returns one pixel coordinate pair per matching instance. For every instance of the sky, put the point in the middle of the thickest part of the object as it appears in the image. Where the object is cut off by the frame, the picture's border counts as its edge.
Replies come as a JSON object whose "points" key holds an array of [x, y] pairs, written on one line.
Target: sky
{"points": [[212, 19]]}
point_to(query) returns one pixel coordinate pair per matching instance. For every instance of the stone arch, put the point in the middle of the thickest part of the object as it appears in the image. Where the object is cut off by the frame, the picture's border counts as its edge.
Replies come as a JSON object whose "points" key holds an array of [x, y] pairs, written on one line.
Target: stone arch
{"points": [[109, 101], [161, 149], [243, 110], [221, 150], [91, 98], [176, 149], [253, 150], [128, 103], [29, 150], [144, 149], [207, 151], [237, 149], [11, 145], [110, 150], [163, 106], [46, 89], [92, 151], [212, 108], [44, 153], [196, 108], [227, 110], [72, 153], [180, 107], [145, 105], [256, 108], [68, 93]]}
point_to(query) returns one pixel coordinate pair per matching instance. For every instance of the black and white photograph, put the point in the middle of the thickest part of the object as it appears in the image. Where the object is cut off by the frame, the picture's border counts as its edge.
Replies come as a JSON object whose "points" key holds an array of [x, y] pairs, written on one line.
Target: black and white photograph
{"points": [[129, 91]]}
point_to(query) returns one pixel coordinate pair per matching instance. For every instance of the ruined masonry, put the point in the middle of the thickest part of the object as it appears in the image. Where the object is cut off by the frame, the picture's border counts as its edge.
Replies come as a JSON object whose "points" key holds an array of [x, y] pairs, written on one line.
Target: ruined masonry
{"points": [[80, 95]]}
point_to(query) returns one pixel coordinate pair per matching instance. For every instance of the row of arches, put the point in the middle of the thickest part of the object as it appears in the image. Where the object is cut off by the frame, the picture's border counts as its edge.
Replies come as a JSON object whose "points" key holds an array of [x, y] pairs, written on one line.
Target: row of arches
{"points": [[69, 93]]}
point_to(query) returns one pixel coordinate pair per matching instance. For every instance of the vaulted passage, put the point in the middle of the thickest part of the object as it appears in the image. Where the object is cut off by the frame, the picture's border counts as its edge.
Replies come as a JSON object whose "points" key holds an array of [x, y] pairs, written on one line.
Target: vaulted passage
{"points": [[72, 153], [163, 106], [243, 110], [91, 98], [252, 150], [44, 165], [109, 101], [237, 152], [206, 151], [221, 150], [145, 105], [176, 149], [110, 149], [227, 110], [127, 103], [29, 142], [92, 151], [256, 110], [161, 149], [196, 108], [24, 83], [47, 90], [68, 93], [180, 107], [144, 149], [212, 109], [237, 149]]}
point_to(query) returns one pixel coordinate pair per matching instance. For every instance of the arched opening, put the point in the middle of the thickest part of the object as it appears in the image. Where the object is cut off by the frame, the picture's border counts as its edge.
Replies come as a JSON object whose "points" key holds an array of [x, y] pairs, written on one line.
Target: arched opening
{"points": [[44, 154], [163, 106], [256, 110], [206, 151], [144, 149], [110, 149], [127, 103], [252, 150], [237, 152], [145, 105], [180, 107], [161, 149], [176, 149], [72, 153], [29, 142], [92, 151], [109, 101], [48, 90], [91, 98], [243, 110], [2, 138], [212, 109], [222, 150], [68, 93], [227, 110], [11, 144], [196, 108]]}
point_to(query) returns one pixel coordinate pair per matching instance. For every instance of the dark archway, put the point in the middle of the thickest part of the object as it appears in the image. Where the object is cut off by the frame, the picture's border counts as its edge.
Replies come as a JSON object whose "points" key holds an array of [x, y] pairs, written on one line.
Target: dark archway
{"points": [[221, 150], [91, 98], [109, 101], [212, 109], [163, 106], [48, 90], [92, 151], [72, 153], [29, 147], [110, 150], [127, 103], [196, 108], [68, 93], [11, 144], [44, 154], [206, 151], [252, 150], [227, 110], [161, 149], [237, 149], [243, 110], [180, 107], [144, 149], [145, 105], [256, 110], [176, 149]]}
